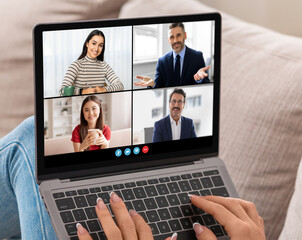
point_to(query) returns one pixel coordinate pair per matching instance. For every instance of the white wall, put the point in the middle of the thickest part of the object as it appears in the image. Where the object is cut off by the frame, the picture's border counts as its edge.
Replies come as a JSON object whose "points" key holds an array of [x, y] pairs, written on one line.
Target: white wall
{"points": [[120, 110], [279, 15]]}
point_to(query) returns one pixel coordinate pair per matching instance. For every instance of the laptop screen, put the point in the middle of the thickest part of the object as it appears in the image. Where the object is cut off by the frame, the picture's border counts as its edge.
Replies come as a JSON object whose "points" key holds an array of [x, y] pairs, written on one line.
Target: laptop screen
{"points": [[125, 94]]}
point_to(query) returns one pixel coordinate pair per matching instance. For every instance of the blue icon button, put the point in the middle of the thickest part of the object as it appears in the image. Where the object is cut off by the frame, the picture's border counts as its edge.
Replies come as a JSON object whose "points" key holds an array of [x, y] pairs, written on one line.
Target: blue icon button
{"points": [[118, 152], [127, 151], [136, 150]]}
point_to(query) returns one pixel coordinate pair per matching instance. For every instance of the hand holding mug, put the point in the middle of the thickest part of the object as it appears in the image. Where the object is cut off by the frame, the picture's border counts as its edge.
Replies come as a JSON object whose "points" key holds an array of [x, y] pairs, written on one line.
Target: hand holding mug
{"points": [[101, 140], [94, 134], [89, 139]]}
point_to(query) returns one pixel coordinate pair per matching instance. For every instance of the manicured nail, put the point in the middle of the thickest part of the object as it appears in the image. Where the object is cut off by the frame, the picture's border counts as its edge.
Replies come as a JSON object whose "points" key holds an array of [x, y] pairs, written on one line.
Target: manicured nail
{"points": [[81, 230], [100, 203], [192, 195], [132, 212], [198, 228], [174, 236], [115, 198]]}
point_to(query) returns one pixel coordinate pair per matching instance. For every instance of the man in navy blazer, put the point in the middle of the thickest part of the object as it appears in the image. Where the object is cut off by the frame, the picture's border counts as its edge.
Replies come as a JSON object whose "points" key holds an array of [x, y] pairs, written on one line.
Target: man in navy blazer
{"points": [[181, 66], [174, 126]]}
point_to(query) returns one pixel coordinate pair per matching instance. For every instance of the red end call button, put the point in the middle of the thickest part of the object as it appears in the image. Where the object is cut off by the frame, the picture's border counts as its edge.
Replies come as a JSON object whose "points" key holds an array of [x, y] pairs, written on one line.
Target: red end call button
{"points": [[145, 149]]}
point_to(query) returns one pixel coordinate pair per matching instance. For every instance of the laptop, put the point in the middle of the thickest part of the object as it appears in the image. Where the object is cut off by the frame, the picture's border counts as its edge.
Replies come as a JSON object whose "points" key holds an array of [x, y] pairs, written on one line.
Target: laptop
{"points": [[152, 175]]}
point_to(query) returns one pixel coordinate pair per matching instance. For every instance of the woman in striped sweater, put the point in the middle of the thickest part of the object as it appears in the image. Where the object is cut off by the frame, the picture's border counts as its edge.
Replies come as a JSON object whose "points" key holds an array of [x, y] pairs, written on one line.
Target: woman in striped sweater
{"points": [[89, 73]]}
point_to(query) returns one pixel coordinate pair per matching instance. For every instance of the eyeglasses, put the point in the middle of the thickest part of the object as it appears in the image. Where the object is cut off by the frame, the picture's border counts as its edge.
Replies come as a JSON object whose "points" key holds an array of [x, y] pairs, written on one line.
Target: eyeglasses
{"points": [[179, 102]]}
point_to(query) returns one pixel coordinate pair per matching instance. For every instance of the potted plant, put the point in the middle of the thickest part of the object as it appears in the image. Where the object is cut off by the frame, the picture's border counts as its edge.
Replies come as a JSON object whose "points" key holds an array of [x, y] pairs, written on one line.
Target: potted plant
{"points": [[64, 111]]}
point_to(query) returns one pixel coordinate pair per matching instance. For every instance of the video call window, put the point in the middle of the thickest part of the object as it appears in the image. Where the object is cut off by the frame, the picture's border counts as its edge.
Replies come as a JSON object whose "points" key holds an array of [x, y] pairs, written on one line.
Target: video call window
{"points": [[153, 105], [62, 48], [151, 42], [131, 114], [63, 115]]}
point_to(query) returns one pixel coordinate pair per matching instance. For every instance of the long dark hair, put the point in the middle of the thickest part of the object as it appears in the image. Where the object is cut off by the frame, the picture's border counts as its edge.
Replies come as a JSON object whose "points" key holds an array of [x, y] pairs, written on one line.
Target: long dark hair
{"points": [[84, 123], [91, 35]]}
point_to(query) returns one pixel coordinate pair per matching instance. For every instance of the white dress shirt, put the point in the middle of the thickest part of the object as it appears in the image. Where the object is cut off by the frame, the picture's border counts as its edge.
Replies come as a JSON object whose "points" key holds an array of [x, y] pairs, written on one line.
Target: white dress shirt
{"points": [[176, 129]]}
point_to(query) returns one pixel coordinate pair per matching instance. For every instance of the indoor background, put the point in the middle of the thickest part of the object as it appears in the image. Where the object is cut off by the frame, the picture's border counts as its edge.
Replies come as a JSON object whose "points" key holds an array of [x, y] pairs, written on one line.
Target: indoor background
{"points": [[282, 16]]}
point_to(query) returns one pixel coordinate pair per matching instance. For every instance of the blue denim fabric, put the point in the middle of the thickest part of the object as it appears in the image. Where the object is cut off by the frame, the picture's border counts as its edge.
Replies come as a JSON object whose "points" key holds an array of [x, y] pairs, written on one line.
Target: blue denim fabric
{"points": [[21, 208]]}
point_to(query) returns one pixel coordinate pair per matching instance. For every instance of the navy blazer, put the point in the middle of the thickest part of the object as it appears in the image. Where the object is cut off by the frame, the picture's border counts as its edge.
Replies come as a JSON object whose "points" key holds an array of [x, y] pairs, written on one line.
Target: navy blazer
{"points": [[193, 61], [163, 132]]}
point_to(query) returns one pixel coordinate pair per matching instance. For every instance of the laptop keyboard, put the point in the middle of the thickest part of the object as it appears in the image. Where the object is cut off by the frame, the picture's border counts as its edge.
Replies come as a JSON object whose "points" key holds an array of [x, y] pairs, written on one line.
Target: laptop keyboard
{"points": [[162, 202]]}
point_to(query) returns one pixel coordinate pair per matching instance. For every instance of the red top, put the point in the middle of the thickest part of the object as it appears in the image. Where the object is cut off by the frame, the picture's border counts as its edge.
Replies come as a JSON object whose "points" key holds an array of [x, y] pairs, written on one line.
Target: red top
{"points": [[76, 136]]}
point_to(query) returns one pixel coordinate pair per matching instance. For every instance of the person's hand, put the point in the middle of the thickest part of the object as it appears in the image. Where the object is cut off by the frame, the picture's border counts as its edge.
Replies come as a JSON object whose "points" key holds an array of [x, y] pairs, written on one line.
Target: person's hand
{"points": [[101, 140], [88, 141], [100, 90], [129, 225], [201, 74], [88, 90], [145, 81], [238, 217]]}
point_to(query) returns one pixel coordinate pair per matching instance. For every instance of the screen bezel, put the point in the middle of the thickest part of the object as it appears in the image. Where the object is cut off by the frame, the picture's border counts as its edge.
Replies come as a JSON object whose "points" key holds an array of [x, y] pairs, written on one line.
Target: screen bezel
{"points": [[136, 162]]}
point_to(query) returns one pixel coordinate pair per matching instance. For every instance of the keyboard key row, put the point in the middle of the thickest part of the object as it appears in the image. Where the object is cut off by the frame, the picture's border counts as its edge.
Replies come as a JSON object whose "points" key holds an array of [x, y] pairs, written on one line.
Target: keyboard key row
{"points": [[138, 193], [152, 215], [161, 220], [216, 179], [157, 226], [152, 190], [164, 228], [94, 236], [190, 234]]}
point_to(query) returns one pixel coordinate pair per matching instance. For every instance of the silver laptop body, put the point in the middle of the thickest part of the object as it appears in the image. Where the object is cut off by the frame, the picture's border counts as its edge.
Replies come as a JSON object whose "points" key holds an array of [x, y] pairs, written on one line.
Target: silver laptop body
{"points": [[154, 178]]}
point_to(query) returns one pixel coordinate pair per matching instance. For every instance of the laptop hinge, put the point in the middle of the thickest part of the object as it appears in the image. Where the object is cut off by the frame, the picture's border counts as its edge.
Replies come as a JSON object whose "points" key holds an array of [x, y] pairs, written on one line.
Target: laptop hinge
{"points": [[200, 161], [131, 171], [65, 180]]}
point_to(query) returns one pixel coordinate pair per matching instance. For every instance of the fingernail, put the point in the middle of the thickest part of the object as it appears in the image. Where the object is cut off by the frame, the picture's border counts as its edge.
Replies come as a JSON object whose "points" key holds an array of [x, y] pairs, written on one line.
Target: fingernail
{"points": [[192, 195], [132, 212], [100, 203], [115, 198], [198, 228], [174, 236], [81, 230]]}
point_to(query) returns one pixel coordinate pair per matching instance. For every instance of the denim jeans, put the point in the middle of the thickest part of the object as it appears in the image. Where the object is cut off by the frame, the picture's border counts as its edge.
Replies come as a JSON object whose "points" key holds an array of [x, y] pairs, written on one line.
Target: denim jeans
{"points": [[22, 212]]}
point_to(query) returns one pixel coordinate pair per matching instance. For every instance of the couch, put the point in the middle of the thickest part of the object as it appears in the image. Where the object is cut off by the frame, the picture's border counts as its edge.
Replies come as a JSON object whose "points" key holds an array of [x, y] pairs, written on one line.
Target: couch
{"points": [[261, 96]]}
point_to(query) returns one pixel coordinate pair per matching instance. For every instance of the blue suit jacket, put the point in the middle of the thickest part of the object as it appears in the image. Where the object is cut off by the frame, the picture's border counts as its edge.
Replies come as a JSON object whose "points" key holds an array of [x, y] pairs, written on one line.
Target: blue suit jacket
{"points": [[193, 61], [163, 132]]}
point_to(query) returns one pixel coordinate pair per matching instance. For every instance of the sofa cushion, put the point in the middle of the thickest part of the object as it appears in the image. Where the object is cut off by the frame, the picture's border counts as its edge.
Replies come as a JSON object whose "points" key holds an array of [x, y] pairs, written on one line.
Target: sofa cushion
{"points": [[293, 224], [16, 65], [261, 110]]}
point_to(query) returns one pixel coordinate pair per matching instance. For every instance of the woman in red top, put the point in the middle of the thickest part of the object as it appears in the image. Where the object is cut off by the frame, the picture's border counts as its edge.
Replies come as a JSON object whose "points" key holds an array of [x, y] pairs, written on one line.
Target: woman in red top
{"points": [[91, 118]]}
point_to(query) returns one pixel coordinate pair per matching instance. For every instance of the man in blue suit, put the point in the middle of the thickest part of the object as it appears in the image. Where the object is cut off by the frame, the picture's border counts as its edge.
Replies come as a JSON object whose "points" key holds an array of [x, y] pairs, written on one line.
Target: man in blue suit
{"points": [[174, 126], [181, 66]]}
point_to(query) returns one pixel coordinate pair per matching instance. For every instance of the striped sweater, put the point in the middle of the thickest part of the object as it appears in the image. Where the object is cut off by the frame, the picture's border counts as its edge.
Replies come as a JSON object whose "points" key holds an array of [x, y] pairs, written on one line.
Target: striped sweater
{"points": [[87, 72]]}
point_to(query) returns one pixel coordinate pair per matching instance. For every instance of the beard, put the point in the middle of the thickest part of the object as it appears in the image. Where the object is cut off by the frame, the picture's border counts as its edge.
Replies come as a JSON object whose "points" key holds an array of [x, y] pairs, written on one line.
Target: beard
{"points": [[178, 46], [175, 114]]}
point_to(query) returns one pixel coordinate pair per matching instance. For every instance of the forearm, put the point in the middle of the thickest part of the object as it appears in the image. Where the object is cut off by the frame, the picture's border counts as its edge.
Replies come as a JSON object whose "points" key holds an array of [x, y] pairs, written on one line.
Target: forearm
{"points": [[115, 85], [79, 147], [105, 145], [114, 81]]}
